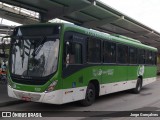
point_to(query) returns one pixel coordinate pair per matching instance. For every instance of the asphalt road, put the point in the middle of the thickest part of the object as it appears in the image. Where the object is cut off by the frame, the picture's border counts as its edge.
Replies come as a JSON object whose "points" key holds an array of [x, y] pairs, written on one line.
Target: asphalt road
{"points": [[147, 100]]}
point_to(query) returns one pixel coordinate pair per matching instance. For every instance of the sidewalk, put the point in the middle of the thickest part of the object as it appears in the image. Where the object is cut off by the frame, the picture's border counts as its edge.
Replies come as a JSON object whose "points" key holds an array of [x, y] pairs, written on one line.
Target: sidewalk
{"points": [[4, 99]]}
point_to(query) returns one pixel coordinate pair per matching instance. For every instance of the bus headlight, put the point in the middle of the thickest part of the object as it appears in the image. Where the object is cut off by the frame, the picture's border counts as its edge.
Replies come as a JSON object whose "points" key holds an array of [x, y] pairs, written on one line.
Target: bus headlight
{"points": [[51, 86]]}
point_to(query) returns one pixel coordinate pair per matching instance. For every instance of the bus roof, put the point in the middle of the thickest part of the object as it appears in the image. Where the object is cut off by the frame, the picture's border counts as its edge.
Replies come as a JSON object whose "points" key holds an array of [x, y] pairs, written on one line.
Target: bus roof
{"points": [[111, 37]]}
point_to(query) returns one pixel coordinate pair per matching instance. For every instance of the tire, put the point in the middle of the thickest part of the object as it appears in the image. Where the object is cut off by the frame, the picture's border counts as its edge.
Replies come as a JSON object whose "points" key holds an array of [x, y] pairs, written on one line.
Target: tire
{"points": [[138, 87], [90, 95]]}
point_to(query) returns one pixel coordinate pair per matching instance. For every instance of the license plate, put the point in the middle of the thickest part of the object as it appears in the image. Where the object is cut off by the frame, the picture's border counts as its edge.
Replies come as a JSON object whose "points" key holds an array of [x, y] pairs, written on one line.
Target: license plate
{"points": [[26, 98]]}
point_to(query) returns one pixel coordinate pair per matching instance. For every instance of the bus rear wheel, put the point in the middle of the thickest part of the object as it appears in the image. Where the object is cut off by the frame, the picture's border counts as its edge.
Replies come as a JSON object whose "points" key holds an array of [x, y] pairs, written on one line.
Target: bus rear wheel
{"points": [[90, 95], [138, 87]]}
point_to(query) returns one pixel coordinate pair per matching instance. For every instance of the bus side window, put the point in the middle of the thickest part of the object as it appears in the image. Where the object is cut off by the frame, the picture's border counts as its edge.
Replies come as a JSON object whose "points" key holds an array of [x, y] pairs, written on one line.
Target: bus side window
{"points": [[132, 55], [154, 60], [122, 57], [73, 53], [109, 50], [94, 50], [141, 56], [148, 57]]}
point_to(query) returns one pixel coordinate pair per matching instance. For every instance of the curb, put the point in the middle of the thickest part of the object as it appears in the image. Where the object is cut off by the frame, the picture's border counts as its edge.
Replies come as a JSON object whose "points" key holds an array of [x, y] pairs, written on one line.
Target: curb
{"points": [[4, 104]]}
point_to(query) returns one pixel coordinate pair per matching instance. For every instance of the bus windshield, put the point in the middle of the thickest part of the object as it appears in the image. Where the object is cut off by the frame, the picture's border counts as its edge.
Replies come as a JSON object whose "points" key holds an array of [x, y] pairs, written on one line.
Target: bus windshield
{"points": [[34, 56]]}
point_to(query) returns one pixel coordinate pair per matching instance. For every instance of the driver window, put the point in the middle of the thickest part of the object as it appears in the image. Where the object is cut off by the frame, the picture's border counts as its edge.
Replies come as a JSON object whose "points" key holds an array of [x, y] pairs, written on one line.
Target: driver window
{"points": [[73, 53]]}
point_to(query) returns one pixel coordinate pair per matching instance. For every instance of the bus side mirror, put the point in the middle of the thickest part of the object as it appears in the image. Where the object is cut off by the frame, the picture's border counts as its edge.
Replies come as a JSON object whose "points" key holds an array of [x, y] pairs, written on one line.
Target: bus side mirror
{"points": [[67, 46], [67, 51]]}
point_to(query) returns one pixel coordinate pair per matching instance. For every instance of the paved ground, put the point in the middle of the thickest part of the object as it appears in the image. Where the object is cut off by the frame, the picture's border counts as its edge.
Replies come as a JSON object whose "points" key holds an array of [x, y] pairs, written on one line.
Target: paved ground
{"points": [[147, 100], [4, 99]]}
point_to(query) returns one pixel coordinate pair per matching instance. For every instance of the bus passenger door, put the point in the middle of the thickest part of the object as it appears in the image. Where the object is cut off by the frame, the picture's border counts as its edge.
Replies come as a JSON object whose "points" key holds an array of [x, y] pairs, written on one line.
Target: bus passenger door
{"points": [[73, 58]]}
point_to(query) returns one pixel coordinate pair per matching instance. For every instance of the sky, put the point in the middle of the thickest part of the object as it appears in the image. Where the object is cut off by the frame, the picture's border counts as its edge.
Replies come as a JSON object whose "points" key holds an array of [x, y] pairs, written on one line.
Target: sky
{"points": [[143, 11]]}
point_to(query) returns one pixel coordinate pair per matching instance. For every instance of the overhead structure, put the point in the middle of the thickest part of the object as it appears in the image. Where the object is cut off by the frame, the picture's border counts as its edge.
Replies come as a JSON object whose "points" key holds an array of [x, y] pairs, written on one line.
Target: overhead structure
{"points": [[17, 14], [91, 14], [6, 30]]}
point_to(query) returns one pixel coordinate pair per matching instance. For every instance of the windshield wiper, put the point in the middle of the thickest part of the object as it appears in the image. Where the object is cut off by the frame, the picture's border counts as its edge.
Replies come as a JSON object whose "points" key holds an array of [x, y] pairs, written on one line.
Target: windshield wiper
{"points": [[22, 46], [20, 43]]}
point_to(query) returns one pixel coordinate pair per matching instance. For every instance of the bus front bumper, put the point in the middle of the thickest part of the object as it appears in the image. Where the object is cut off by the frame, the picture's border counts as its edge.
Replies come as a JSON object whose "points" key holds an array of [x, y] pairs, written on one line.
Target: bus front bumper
{"points": [[54, 97]]}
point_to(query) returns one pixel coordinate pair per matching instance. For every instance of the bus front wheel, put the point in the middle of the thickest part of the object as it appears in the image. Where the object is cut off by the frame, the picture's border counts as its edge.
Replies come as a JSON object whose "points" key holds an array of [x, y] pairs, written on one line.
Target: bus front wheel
{"points": [[138, 87], [90, 95]]}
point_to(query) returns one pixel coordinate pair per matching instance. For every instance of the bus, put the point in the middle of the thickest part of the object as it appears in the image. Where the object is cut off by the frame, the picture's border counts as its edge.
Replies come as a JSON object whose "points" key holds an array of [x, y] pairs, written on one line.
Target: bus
{"points": [[59, 63]]}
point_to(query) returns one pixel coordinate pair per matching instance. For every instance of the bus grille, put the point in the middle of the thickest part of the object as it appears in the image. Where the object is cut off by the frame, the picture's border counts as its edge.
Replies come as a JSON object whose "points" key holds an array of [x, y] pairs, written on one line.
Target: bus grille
{"points": [[31, 96]]}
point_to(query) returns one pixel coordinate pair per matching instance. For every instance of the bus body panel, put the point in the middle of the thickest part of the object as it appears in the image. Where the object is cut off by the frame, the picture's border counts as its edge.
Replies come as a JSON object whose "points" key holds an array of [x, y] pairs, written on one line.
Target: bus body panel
{"points": [[55, 97]]}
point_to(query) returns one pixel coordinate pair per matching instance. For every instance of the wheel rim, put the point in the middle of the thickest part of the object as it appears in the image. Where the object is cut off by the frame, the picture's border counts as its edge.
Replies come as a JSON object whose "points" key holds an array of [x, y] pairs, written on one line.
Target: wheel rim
{"points": [[90, 95]]}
